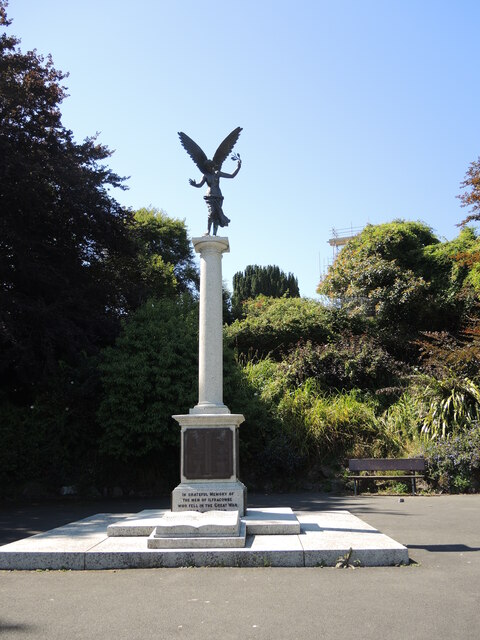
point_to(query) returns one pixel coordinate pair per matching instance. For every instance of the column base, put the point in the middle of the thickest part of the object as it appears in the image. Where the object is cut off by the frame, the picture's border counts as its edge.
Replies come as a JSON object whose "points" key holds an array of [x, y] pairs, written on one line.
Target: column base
{"points": [[210, 496], [209, 408]]}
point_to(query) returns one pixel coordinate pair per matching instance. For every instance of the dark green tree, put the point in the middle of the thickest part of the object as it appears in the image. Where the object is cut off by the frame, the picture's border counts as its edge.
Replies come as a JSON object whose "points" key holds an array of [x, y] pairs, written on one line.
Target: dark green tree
{"points": [[399, 274], [269, 281], [149, 375], [162, 264], [60, 230]]}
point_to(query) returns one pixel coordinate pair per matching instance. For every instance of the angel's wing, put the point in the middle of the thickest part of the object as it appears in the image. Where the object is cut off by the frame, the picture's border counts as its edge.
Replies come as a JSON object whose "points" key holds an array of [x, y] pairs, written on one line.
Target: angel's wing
{"points": [[226, 147], [194, 151]]}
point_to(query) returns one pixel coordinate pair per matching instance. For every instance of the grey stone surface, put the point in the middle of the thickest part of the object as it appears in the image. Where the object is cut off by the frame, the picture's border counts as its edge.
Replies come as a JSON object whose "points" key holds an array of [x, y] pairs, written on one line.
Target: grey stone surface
{"points": [[327, 536], [324, 537], [60, 548], [208, 421], [208, 496], [210, 339], [216, 541], [195, 524], [259, 551], [264, 521], [139, 524], [271, 521]]}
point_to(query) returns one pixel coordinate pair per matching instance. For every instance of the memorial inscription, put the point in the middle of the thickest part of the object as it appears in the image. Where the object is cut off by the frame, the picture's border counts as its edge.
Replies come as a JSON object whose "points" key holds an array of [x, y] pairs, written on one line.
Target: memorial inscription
{"points": [[208, 453], [208, 500]]}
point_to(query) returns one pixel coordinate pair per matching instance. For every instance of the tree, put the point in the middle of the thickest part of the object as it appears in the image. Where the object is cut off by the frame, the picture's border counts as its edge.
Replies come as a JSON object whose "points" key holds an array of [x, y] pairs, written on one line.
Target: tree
{"points": [[269, 281], [163, 263], [398, 274], [149, 375], [60, 230], [471, 196]]}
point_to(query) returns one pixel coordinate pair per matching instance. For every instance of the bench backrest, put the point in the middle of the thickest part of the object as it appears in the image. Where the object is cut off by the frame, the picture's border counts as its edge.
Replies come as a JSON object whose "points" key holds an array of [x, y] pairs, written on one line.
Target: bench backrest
{"points": [[387, 464]]}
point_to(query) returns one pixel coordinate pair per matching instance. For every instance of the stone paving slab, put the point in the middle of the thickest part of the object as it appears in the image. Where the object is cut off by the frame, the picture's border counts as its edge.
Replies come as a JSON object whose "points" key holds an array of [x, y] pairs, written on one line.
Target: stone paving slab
{"points": [[324, 537], [60, 548], [161, 541], [271, 521], [259, 551], [265, 521], [139, 524]]}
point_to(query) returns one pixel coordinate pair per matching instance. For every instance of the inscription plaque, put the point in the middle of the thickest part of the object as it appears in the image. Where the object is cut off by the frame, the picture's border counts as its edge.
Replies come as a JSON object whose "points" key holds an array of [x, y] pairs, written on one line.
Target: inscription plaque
{"points": [[208, 453]]}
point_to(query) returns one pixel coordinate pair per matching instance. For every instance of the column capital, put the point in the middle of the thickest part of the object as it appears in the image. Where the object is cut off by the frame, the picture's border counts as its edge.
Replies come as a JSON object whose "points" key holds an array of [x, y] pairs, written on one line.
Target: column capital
{"points": [[216, 244]]}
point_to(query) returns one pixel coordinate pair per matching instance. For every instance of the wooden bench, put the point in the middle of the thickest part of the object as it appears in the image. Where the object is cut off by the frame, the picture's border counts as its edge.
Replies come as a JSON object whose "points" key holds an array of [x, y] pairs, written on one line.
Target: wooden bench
{"points": [[413, 467]]}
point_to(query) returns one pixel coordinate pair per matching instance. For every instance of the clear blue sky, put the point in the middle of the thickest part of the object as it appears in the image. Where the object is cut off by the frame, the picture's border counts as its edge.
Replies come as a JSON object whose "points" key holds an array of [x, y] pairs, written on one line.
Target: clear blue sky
{"points": [[353, 111]]}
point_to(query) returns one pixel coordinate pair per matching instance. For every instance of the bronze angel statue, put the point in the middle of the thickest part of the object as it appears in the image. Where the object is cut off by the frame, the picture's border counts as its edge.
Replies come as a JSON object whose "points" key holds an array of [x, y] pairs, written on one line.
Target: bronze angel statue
{"points": [[212, 172]]}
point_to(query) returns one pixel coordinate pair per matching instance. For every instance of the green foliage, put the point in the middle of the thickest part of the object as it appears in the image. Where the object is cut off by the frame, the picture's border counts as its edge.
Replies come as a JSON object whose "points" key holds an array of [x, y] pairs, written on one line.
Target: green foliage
{"points": [[273, 325], [269, 281], [14, 449], [453, 463], [452, 405], [402, 419], [333, 426], [348, 362], [59, 425], [163, 263], [319, 425], [397, 273], [59, 227], [443, 354], [457, 280], [269, 452], [149, 375]]}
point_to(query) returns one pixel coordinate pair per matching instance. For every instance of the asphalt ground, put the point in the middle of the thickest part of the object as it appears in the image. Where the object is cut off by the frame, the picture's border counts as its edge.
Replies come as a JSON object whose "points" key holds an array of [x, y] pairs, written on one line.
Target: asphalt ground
{"points": [[436, 598]]}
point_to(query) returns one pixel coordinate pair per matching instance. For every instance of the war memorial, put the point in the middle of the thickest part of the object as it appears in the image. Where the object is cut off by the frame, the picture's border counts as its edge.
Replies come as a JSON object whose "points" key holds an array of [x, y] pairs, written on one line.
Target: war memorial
{"points": [[210, 522]]}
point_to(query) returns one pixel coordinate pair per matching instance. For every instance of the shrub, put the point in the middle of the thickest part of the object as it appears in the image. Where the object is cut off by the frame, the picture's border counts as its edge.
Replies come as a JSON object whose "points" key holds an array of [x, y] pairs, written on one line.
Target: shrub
{"points": [[274, 325], [149, 375], [270, 456], [403, 418], [453, 463], [332, 426], [350, 362]]}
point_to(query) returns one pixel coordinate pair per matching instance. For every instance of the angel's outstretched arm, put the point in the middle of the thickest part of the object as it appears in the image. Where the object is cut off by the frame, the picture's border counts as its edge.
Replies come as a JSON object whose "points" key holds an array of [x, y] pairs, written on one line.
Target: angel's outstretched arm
{"points": [[231, 175], [199, 184]]}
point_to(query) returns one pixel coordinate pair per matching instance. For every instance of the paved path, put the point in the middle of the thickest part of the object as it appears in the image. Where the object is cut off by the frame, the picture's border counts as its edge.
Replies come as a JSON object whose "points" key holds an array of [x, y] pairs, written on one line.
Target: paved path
{"points": [[437, 598]]}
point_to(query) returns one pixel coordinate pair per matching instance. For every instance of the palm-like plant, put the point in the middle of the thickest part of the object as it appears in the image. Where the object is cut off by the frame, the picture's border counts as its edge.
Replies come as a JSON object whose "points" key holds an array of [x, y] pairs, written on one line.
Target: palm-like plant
{"points": [[452, 404]]}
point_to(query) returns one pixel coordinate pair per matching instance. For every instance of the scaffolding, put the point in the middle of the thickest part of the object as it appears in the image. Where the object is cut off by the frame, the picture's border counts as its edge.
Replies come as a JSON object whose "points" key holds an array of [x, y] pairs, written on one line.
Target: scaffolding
{"points": [[340, 237]]}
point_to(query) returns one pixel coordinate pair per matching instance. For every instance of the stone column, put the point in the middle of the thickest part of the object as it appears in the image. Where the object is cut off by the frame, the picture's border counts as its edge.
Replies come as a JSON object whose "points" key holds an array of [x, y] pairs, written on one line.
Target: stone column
{"points": [[210, 347], [209, 464]]}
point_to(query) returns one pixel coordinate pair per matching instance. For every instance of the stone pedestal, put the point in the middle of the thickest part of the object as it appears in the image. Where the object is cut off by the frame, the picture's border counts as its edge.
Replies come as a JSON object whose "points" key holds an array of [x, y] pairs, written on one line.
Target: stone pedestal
{"points": [[198, 530], [209, 433]]}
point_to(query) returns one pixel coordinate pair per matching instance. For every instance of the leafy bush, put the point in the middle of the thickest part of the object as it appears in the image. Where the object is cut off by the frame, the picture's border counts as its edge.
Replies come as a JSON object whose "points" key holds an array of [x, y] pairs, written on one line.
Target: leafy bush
{"points": [[402, 420], [149, 375], [333, 426], [54, 440], [401, 275], [443, 354], [453, 463], [273, 325], [270, 456], [350, 362]]}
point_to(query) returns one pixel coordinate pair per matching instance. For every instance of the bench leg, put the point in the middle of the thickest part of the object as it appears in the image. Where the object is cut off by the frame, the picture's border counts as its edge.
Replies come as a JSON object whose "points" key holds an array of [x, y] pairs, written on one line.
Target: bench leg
{"points": [[414, 487]]}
